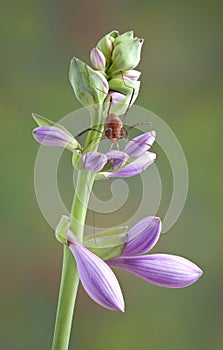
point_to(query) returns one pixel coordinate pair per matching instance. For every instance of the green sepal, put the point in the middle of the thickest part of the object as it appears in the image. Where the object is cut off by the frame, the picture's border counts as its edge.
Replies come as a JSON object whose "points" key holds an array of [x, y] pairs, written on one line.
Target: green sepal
{"points": [[107, 244], [100, 176], [61, 229], [86, 83], [43, 121]]}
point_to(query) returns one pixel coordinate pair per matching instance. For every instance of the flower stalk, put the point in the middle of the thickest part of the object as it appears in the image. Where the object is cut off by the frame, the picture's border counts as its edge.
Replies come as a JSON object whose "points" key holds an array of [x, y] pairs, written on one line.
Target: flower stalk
{"points": [[70, 279]]}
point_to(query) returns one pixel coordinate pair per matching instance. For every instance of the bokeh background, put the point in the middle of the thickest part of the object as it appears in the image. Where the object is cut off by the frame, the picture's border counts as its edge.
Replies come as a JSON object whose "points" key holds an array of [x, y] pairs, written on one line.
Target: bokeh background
{"points": [[182, 83]]}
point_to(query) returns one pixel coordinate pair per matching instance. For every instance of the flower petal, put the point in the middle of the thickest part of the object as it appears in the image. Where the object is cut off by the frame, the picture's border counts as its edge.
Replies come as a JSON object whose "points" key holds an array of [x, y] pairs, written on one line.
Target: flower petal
{"points": [[143, 236], [132, 74], [97, 278], [134, 168], [117, 158], [116, 97], [94, 161], [104, 82], [97, 59], [161, 269], [55, 137], [140, 144]]}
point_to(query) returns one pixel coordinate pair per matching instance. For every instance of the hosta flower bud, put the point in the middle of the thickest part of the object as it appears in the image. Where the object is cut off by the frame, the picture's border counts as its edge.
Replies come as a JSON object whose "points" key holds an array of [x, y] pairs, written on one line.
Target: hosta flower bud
{"points": [[115, 97], [125, 56], [52, 136], [130, 74], [119, 87], [105, 45], [50, 133], [97, 59], [119, 102], [124, 85], [104, 83], [88, 85]]}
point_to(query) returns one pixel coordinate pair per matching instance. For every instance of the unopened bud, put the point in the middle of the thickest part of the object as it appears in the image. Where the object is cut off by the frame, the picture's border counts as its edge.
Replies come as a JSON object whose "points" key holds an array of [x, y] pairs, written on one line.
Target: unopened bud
{"points": [[125, 56], [97, 59], [105, 45], [104, 82], [131, 74], [124, 85], [88, 85], [115, 97], [120, 87], [55, 137]]}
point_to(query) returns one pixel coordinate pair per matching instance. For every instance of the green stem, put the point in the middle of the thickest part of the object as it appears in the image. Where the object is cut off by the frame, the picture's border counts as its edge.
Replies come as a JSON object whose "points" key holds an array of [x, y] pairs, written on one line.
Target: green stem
{"points": [[70, 278], [66, 301]]}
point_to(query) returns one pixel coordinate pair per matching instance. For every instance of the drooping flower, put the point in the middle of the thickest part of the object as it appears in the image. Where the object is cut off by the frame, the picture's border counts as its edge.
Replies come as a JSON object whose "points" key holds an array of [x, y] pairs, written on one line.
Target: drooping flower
{"points": [[131, 161], [97, 278], [125, 250], [54, 136], [134, 158]]}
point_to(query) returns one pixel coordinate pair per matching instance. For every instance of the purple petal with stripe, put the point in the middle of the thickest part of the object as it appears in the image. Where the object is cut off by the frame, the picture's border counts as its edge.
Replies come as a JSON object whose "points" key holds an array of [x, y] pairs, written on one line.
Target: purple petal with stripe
{"points": [[104, 82], [140, 144], [53, 136], [143, 236], [94, 161], [97, 59], [161, 269], [136, 167], [116, 97], [117, 158], [132, 74], [97, 278]]}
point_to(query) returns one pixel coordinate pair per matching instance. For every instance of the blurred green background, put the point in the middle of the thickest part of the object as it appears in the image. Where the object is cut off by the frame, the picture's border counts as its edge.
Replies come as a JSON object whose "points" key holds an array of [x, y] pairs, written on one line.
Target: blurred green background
{"points": [[182, 83]]}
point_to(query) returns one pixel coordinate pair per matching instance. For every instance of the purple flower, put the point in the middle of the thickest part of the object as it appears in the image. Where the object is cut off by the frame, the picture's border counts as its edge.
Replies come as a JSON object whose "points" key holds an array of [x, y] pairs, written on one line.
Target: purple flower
{"points": [[140, 144], [116, 97], [94, 161], [97, 278], [134, 168], [161, 269], [55, 137], [136, 148]]}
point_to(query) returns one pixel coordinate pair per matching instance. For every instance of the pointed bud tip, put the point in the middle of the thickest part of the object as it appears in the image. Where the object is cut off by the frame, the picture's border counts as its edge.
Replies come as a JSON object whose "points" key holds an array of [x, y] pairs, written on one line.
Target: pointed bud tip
{"points": [[97, 59]]}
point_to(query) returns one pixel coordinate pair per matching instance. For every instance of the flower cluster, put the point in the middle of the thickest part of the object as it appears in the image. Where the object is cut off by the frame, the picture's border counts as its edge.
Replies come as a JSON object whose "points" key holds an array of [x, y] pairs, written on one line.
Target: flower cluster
{"points": [[114, 77], [131, 161], [126, 251], [134, 158]]}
